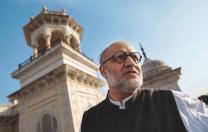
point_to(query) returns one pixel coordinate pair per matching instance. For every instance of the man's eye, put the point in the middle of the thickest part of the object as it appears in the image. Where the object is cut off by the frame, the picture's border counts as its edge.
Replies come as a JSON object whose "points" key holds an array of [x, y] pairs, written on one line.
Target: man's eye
{"points": [[121, 56], [135, 58]]}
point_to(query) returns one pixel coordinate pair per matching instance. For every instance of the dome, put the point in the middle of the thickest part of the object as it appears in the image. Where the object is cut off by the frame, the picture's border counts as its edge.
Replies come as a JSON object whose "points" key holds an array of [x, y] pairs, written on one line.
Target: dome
{"points": [[151, 67]]}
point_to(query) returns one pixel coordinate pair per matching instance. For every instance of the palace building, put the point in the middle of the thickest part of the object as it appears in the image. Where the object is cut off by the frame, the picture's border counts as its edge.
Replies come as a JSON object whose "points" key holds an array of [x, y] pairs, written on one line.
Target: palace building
{"points": [[57, 83]]}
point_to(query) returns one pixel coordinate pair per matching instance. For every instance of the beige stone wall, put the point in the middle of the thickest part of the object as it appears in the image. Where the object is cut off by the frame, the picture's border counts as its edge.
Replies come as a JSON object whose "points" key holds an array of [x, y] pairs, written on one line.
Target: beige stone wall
{"points": [[66, 102], [9, 128], [166, 83], [81, 98], [5, 109], [52, 100], [64, 93]]}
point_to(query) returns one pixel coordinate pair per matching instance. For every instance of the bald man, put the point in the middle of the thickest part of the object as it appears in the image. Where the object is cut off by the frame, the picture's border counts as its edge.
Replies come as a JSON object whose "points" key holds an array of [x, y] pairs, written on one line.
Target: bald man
{"points": [[127, 108]]}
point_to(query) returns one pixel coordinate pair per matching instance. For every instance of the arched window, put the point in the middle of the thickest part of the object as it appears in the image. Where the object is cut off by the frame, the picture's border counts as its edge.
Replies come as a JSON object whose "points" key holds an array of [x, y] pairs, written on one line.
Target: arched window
{"points": [[48, 123], [56, 37]]}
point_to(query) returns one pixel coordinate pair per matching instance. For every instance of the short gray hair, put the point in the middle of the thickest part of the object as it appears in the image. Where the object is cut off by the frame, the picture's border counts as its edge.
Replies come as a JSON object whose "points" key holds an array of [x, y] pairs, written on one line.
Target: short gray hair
{"points": [[102, 54]]}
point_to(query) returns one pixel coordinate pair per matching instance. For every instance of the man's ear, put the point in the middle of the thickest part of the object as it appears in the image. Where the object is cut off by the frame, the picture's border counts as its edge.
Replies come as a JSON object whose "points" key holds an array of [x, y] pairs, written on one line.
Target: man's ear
{"points": [[102, 71]]}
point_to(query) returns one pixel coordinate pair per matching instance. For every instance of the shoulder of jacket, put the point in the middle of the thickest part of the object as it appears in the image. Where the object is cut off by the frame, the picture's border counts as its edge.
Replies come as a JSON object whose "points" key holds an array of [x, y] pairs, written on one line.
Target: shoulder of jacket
{"points": [[97, 107]]}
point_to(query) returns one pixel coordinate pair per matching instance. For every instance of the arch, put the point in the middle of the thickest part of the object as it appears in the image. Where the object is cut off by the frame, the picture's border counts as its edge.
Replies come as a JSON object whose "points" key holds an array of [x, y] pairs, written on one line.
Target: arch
{"points": [[47, 122], [56, 36], [41, 44]]}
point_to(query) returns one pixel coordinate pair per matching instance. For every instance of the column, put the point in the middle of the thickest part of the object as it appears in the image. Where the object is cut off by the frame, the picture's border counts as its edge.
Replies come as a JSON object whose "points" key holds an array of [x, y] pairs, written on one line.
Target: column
{"points": [[47, 37], [68, 37], [48, 41], [36, 52]]}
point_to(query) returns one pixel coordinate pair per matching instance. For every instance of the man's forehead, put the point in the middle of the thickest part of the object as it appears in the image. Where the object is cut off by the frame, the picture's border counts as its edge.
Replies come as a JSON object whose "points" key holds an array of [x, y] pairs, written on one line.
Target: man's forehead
{"points": [[119, 47]]}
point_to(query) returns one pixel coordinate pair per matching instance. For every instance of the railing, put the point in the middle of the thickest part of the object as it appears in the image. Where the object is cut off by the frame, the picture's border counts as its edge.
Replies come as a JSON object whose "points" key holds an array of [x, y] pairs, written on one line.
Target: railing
{"points": [[42, 52], [29, 60], [33, 57]]}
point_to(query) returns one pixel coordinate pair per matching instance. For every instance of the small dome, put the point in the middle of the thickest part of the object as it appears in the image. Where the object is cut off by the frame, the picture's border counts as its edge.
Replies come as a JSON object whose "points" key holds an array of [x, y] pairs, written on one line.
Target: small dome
{"points": [[150, 67]]}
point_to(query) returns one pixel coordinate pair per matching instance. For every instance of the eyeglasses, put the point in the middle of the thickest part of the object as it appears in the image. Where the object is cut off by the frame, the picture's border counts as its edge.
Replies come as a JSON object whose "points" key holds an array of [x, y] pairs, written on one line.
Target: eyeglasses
{"points": [[121, 56]]}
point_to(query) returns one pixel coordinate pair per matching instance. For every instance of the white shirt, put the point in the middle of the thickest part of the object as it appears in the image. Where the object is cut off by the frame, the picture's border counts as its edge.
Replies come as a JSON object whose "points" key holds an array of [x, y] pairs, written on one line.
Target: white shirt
{"points": [[193, 112]]}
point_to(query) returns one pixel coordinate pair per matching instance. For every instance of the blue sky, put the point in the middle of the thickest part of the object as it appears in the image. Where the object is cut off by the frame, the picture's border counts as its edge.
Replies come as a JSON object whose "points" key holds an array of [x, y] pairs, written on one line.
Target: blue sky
{"points": [[174, 31]]}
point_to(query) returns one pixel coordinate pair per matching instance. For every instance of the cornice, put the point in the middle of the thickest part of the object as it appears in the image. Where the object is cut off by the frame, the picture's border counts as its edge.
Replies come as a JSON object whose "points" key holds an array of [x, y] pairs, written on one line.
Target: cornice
{"points": [[163, 74], [83, 78], [49, 81]]}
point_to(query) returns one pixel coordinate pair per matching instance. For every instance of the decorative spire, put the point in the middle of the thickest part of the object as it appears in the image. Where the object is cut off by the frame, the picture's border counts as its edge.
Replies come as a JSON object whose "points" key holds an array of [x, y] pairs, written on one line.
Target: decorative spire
{"points": [[45, 8], [144, 54], [43, 4]]}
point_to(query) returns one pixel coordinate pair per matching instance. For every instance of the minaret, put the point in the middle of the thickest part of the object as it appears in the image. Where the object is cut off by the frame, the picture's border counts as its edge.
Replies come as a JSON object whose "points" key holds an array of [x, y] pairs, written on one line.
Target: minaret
{"points": [[142, 49], [58, 83], [158, 75]]}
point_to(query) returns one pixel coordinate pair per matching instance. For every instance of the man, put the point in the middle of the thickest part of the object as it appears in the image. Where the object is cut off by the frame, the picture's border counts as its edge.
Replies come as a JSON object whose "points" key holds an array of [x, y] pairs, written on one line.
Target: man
{"points": [[127, 108]]}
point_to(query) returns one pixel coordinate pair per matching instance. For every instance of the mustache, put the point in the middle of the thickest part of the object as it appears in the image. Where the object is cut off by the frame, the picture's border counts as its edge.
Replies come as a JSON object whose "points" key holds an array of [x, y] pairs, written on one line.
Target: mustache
{"points": [[131, 70]]}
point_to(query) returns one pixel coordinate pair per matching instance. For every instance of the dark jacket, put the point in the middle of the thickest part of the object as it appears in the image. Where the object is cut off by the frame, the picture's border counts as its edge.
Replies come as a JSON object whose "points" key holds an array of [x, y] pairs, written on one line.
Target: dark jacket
{"points": [[146, 111]]}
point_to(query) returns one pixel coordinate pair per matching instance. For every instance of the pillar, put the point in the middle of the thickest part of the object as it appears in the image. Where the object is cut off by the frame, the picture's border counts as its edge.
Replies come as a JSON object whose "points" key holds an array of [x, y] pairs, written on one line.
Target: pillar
{"points": [[48, 41], [68, 37], [36, 52]]}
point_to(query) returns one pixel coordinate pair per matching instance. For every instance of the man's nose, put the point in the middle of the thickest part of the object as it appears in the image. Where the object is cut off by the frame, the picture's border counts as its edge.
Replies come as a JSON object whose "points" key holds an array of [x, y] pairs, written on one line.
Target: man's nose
{"points": [[129, 61]]}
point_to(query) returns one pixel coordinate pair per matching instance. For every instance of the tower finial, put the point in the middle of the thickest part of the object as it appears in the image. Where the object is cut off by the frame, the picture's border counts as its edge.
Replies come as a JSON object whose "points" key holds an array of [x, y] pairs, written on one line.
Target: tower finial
{"points": [[44, 7], [144, 54]]}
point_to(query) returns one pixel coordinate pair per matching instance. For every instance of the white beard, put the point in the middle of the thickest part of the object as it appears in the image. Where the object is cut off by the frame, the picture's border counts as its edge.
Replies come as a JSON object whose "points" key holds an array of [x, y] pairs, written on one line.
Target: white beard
{"points": [[127, 86]]}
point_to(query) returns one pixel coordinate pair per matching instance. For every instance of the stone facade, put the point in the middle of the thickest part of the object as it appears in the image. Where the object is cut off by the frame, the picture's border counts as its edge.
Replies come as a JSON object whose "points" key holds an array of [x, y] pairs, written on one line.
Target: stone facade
{"points": [[64, 93], [8, 119], [158, 75], [58, 83]]}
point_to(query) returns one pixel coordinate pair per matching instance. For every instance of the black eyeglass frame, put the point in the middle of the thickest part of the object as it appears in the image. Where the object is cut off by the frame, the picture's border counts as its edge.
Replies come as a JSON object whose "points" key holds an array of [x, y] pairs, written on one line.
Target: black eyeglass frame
{"points": [[126, 55]]}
